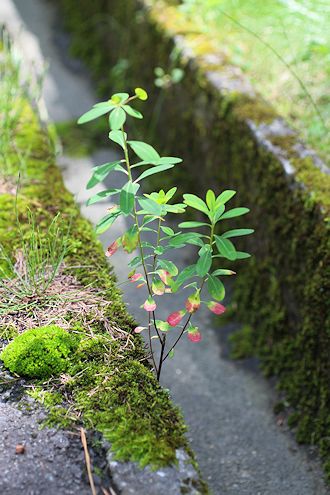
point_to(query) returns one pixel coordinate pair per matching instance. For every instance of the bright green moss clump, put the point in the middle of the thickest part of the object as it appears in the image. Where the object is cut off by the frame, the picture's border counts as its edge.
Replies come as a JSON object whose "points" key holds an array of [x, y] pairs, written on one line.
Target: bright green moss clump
{"points": [[39, 352]]}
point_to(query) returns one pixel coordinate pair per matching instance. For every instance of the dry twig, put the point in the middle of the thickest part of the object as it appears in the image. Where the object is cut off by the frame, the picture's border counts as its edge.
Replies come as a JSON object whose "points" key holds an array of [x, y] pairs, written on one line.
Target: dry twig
{"points": [[88, 460]]}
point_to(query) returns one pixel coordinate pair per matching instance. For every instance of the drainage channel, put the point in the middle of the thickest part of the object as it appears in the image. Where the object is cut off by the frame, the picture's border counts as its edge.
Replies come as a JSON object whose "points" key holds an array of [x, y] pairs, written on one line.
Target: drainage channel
{"points": [[240, 445]]}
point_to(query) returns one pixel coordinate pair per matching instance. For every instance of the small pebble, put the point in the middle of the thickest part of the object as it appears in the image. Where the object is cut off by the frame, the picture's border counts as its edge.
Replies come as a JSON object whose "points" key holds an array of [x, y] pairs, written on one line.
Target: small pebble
{"points": [[20, 449]]}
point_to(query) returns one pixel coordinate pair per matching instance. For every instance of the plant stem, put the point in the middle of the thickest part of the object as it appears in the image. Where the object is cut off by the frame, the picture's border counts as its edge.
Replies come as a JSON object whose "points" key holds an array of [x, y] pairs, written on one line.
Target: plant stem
{"points": [[177, 340], [135, 214], [141, 250], [150, 345], [161, 360]]}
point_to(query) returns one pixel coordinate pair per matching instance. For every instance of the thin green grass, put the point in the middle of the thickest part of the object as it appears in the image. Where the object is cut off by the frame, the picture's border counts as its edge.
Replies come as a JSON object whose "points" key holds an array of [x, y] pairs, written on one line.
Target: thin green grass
{"points": [[284, 48]]}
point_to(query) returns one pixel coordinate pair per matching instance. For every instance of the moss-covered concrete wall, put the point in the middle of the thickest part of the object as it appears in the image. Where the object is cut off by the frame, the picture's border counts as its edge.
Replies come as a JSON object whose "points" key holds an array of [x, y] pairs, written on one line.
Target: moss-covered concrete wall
{"points": [[230, 138]]}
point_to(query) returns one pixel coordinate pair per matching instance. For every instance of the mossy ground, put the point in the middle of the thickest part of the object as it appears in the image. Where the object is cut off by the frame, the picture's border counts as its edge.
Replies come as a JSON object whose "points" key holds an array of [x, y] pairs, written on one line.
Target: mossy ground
{"points": [[283, 295], [107, 385]]}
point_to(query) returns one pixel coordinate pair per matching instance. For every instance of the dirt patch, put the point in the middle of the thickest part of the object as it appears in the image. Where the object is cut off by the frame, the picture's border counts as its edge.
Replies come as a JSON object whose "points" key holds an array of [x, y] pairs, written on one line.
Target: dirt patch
{"points": [[65, 302]]}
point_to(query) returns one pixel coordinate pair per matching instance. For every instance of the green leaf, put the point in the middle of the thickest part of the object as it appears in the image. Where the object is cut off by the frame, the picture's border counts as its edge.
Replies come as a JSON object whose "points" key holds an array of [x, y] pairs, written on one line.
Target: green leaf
{"points": [[169, 267], [101, 171], [163, 326], [117, 137], [235, 212], [178, 208], [169, 195], [130, 239], [101, 195], [206, 248], [127, 196], [188, 272], [104, 104], [106, 222], [222, 271], [224, 197], [153, 170], [144, 151], [135, 262], [164, 160], [159, 250], [195, 202], [237, 233], [191, 225], [120, 97], [204, 263], [219, 211], [141, 93], [117, 118], [168, 231], [94, 113], [149, 207], [210, 199], [181, 240], [241, 255], [225, 247], [216, 288], [132, 112]]}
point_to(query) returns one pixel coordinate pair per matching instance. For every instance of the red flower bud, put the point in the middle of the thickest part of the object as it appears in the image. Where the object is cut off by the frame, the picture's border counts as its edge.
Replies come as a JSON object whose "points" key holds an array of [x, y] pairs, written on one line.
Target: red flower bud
{"points": [[194, 335], [150, 305], [112, 249], [139, 329], [216, 308], [193, 302], [174, 318], [136, 277]]}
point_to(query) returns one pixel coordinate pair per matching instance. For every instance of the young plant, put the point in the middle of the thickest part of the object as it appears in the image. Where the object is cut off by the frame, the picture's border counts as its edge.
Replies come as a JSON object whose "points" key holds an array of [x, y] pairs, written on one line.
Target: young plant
{"points": [[146, 214]]}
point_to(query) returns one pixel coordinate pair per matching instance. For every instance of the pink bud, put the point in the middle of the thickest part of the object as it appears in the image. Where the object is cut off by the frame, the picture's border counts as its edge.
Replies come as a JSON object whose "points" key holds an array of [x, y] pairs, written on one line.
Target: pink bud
{"points": [[140, 285], [193, 302], [174, 318], [164, 276], [136, 277], [112, 249], [150, 305], [216, 308], [194, 336], [139, 329]]}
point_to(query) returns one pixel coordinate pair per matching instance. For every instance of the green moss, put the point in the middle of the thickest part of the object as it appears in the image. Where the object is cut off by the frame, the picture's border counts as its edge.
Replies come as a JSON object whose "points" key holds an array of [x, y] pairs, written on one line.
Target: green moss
{"points": [[46, 398], [118, 397], [242, 343], [138, 419], [252, 109], [8, 333], [39, 352]]}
